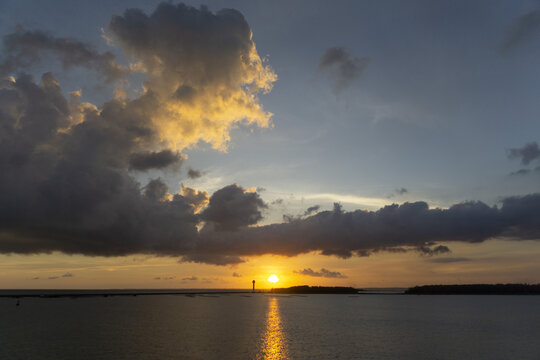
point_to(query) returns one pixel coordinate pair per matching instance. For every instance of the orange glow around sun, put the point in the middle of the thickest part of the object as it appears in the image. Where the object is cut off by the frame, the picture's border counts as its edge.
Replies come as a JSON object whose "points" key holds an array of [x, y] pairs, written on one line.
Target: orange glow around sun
{"points": [[273, 278]]}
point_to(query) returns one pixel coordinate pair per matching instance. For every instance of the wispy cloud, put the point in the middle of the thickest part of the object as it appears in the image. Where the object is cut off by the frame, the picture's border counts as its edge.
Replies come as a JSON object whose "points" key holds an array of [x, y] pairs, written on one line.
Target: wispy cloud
{"points": [[322, 273], [347, 68]]}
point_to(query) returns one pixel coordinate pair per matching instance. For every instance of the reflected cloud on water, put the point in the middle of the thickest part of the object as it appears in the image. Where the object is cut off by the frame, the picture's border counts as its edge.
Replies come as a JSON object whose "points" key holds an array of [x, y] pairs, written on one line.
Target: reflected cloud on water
{"points": [[273, 343]]}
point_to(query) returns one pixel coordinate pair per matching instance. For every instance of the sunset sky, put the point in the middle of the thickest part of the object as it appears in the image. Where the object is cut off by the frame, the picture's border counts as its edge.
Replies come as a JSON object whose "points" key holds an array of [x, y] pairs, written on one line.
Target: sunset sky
{"points": [[207, 144]]}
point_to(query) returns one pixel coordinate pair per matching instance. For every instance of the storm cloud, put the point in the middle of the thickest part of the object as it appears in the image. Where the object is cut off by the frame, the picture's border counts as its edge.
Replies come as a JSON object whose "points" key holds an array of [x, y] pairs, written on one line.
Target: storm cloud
{"points": [[65, 165]]}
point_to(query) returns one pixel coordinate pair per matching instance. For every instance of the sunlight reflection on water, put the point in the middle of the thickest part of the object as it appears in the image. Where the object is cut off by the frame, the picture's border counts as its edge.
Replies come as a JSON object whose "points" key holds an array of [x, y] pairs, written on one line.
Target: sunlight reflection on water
{"points": [[273, 344]]}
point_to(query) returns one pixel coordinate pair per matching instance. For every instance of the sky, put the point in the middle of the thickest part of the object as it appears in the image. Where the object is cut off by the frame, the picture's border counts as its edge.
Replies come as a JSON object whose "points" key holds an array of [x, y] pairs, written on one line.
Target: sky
{"points": [[206, 144]]}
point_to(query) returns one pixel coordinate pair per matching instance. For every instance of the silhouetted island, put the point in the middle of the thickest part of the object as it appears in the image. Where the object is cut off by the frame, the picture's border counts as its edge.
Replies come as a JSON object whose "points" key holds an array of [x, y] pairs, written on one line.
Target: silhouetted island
{"points": [[475, 289], [305, 289]]}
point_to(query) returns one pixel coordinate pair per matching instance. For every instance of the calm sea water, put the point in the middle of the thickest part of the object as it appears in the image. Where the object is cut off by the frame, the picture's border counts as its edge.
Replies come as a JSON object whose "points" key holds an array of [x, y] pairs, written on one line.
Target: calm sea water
{"points": [[272, 327]]}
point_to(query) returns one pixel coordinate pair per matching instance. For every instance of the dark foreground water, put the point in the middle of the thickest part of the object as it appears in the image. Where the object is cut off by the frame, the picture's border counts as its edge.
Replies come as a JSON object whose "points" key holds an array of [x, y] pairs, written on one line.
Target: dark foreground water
{"points": [[262, 326]]}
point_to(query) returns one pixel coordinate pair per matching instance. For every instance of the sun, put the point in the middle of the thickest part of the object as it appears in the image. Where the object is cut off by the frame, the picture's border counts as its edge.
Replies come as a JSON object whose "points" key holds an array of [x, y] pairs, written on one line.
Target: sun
{"points": [[273, 278]]}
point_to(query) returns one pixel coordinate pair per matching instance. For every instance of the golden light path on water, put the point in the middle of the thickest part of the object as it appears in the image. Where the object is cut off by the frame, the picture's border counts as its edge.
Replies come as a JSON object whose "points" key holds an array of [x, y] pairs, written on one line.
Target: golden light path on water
{"points": [[273, 343]]}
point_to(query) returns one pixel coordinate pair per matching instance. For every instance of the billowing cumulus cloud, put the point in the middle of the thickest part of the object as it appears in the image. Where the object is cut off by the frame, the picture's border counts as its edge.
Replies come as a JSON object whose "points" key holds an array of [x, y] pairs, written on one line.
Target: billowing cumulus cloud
{"points": [[24, 48], [344, 67], [202, 67], [65, 165], [323, 273]]}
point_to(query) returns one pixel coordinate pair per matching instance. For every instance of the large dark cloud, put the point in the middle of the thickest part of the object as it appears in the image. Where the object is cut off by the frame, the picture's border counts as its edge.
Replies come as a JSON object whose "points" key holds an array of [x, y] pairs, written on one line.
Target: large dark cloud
{"points": [[71, 191], [65, 183], [66, 187], [347, 68], [410, 226], [24, 48]]}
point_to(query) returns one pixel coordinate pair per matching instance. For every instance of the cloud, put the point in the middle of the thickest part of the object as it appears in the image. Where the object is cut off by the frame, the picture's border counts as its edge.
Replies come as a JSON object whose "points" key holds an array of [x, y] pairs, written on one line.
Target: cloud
{"points": [[312, 209], [323, 273], [195, 198], [156, 190], [165, 278], [528, 153], [71, 191], [203, 69], [194, 174], [25, 48], [66, 184], [447, 260], [147, 160], [522, 172], [211, 258], [234, 274], [524, 30], [65, 176], [191, 278], [347, 68], [406, 227], [233, 207], [430, 251], [399, 192]]}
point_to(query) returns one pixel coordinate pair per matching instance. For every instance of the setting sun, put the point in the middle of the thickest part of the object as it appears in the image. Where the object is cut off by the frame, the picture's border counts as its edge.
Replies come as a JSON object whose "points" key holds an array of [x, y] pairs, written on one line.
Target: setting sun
{"points": [[273, 278]]}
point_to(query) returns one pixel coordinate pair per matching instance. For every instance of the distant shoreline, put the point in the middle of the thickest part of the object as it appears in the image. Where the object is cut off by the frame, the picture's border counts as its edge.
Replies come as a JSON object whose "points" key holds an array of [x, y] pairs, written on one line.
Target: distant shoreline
{"points": [[464, 289], [475, 289]]}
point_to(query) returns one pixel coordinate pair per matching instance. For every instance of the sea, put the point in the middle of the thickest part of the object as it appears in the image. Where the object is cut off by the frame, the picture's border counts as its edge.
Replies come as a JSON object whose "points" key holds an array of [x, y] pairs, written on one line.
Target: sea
{"points": [[265, 326]]}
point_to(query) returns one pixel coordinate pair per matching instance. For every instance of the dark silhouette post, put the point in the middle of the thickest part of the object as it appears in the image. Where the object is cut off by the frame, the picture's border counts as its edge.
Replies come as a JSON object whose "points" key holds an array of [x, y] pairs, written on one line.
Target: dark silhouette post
{"points": [[253, 285]]}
